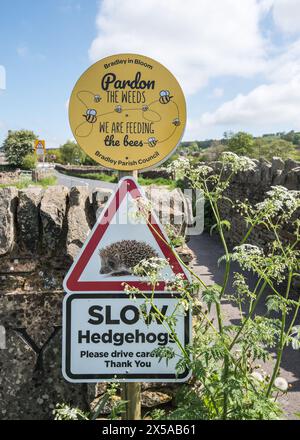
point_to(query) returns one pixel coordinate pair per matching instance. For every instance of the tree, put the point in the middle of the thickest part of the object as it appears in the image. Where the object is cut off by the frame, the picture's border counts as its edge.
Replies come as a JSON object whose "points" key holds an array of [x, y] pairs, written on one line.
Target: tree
{"points": [[296, 140], [226, 136], [89, 161], [71, 153], [241, 143], [53, 155], [29, 161], [17, 145], [289, 136], [280, 148]]}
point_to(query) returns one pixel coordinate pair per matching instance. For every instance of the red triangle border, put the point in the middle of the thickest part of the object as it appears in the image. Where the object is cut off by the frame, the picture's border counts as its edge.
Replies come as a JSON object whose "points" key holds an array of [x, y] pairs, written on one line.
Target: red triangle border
{"points": [[72, 283]]}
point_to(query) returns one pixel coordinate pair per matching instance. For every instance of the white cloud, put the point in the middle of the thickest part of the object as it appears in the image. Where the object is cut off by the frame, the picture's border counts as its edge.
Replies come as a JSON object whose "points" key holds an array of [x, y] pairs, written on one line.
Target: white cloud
{"points": [[266, 106], [285, 65], [202, 39], [275, 103], [196, 39], [286, 15]]}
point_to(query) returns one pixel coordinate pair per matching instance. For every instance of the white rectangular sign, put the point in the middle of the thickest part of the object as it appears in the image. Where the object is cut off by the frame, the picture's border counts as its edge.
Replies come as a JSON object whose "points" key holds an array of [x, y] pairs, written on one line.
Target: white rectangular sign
{"points": [[106, 337]]}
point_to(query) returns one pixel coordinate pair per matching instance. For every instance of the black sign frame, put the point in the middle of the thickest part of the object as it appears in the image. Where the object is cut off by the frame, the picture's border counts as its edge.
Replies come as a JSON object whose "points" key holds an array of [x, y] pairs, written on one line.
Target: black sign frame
{"points": [[107, 377]]}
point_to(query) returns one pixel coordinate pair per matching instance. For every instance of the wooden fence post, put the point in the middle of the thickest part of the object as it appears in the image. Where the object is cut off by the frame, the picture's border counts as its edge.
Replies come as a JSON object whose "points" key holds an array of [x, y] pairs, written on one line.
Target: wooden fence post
{"points": [[131, 391]]}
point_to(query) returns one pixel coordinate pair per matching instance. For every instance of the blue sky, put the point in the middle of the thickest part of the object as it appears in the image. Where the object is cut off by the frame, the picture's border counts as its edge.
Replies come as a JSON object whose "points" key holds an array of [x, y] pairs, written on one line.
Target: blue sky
{"points": [[238, 62]]}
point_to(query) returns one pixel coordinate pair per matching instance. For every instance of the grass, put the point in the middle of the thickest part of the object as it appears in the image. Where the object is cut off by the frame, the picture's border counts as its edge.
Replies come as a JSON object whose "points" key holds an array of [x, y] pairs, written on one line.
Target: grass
{"points": [[114, 179], [296, 155], [96, 176], [160, 181], [47, 181], [25, 183]]}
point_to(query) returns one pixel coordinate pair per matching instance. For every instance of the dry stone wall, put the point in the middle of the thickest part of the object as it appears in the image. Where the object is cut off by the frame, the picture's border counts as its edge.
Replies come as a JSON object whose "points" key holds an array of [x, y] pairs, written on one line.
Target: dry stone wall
{"points": [[253, 185]]}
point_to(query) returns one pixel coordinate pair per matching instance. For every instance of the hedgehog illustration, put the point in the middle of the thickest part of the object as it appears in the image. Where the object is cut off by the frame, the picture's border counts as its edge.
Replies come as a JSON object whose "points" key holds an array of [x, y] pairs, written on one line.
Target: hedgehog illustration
{"points": [[119, 258]]}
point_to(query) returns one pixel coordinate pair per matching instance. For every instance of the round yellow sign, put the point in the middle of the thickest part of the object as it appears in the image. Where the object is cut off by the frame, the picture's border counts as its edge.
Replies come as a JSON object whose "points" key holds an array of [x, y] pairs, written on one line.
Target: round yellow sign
{"points": [[127, 112]]}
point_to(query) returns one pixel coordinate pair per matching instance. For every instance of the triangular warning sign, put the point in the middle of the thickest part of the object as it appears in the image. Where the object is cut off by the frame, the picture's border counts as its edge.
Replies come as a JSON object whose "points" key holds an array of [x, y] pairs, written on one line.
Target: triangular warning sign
{"points": [[121, 238]]}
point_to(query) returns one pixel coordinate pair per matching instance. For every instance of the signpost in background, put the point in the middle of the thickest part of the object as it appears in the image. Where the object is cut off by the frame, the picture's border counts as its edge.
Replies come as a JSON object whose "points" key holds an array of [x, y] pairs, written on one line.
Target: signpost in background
{"points": [[128, 113], [40, 149]]}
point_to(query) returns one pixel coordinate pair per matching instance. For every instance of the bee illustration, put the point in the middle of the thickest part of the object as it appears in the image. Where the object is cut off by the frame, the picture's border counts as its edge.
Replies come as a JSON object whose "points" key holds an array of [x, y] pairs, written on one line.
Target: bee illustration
{"points": [[152, 141], [145, 108], [118, 109], [90, 115], [164, 96], [86, 127], [88, 99], [176, 122]]}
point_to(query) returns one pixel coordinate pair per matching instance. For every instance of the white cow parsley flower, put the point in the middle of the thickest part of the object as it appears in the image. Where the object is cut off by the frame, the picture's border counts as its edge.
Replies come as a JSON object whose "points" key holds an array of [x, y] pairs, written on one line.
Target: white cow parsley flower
{"points": [[247, 255], [281, 384], [179, 167], [279, 201], [257, 376], [150, 268], [237, 163]]}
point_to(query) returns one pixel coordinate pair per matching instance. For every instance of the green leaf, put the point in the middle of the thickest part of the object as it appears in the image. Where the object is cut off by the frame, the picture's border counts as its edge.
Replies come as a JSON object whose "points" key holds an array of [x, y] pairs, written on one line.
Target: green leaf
{"points": [[211, 295], [225, 223]]}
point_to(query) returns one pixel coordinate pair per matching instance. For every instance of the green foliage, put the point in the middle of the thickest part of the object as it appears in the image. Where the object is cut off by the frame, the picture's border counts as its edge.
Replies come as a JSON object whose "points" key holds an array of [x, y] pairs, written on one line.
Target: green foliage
{"points": [[268, 149], [54, 155], [47, 181], [66, 412], [71, 153], [89, 161], [284, 145], [241, 143], [176, 239], [159, 181], [29, 161], [157, 414], [225, 223], [96, 176], [114, 179], [21, 184], [248, 404], [211, 295], [292, 136], [17, 145], [25, 182]]}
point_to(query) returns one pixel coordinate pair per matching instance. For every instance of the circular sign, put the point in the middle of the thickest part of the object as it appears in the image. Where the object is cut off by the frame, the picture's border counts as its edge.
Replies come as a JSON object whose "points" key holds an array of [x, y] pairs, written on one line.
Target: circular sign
{"points": [[127, 112]]}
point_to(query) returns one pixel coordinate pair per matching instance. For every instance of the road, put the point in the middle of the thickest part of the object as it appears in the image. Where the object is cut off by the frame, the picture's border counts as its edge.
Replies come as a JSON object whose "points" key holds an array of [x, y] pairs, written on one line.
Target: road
{"points": [[69, 181]]}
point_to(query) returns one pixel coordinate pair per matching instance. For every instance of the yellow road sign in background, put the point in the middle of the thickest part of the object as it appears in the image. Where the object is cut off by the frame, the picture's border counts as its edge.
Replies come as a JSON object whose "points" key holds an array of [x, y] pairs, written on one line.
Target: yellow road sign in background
{"points": [[40, 146]]}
